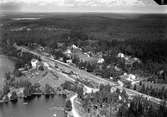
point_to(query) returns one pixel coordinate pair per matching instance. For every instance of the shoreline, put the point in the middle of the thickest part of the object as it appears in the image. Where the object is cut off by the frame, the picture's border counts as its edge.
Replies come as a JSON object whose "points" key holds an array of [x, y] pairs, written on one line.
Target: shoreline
{"points": [[34, 94], [74, 110]]}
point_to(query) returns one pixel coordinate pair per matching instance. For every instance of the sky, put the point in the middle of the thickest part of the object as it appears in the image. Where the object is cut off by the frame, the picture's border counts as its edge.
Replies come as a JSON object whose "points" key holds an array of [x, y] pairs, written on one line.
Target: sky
{"points": [[120, 6]]}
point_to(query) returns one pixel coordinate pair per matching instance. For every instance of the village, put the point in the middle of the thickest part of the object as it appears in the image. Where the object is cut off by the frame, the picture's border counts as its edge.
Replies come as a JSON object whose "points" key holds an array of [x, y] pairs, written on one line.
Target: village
{"points": [[54, 74], [77, 74]]}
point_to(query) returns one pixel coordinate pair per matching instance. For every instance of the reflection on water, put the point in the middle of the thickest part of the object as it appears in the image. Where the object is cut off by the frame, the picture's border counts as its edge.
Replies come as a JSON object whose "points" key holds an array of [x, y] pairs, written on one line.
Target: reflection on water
{"points": [[36, 106]]}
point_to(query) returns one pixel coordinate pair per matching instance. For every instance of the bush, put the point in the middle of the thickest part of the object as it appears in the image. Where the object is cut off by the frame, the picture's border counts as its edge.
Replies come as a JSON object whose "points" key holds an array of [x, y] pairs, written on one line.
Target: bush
{"points": [[68, 106]]}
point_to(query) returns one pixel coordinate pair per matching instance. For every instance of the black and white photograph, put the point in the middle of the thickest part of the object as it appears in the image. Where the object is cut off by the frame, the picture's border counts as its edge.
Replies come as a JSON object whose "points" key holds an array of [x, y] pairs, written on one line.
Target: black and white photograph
{"points": [[83, 58]]}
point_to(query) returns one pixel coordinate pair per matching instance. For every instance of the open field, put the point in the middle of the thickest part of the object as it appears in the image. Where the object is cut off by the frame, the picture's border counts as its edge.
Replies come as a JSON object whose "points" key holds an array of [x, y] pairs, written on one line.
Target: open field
{"points": [[54, 79], [6, 65]]}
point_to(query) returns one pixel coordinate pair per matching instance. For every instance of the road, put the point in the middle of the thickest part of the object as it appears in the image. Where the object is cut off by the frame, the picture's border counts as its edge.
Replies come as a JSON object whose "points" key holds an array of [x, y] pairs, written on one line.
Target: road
{"points": [[87, 75], [74, 110]]}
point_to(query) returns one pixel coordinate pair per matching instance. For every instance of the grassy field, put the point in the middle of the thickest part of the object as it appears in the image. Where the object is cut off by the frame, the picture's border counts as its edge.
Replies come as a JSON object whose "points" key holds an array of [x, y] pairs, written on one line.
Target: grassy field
{"points": [[54, 79], [6, 65]]}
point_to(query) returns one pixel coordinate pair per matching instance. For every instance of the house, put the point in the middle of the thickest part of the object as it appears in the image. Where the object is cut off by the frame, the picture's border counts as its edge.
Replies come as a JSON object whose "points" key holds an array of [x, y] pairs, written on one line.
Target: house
{"points": [[20, 92], [113, 89], [40, 48], [100, 60], [61, 59], [68, 61], [75, 47], [46, 54], [9, 95], [84, 57], [68, 53], [87, 54], [117, 68], [91, 53], [34, 63], [28, 29], [131, 78], [46, 64], [128, 59], [88, 90], [21, 69], [120, 55], [120, 83], [111, 78], [137, 60]]}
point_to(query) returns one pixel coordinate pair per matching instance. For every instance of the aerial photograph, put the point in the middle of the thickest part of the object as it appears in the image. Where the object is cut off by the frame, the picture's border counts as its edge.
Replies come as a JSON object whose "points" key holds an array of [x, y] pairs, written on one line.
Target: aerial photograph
{"points": [[83, 58]]}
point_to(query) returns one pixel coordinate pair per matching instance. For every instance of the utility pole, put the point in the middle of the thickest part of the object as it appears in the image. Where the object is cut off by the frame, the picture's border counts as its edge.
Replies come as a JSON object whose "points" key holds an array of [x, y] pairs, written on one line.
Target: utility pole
{"points": [[162, 2]]}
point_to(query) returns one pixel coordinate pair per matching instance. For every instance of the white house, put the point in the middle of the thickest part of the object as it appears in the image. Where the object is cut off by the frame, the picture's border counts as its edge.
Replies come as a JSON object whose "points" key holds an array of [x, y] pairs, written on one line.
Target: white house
{"points": [[88, 90], [137, 60], [120, 83], [131, 77], [113, 89], [117, 68], [74, 46], [69, 61], [100, 60], [46, 64], [120, 55], [34, 63], [28, 29], [87, 54], [111, 78], [68, 52], [120, 98]]}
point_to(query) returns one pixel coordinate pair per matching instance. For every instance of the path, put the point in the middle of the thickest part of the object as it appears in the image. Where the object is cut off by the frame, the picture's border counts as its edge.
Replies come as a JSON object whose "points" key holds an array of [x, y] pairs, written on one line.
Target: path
{"points": [[74, 110]]}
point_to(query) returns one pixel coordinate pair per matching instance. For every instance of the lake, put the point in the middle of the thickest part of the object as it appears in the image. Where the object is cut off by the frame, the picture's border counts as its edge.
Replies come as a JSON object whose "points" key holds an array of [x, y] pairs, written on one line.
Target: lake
{"points": [[36, 107]]}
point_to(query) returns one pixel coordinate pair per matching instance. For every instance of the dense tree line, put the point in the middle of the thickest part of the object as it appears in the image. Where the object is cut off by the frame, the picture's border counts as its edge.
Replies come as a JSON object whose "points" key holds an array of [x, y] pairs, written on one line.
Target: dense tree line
{"points": [[152, 91], [68, 105], [49, 90], [141, 107], [97, 69], [103, 100], [12, 82], [75, 87]]}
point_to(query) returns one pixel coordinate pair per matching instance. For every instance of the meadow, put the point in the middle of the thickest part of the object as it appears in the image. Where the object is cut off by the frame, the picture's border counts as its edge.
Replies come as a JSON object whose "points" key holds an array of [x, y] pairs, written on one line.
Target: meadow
{"points": [[6, 65]]}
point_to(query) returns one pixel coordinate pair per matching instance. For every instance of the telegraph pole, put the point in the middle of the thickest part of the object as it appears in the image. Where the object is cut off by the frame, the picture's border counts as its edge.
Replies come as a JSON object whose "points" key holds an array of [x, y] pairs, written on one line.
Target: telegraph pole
{"points": [[162, 2]]}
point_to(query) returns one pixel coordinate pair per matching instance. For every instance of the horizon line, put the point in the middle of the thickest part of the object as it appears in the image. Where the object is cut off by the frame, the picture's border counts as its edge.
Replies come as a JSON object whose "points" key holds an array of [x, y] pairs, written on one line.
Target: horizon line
{"points": [[114, 12]]}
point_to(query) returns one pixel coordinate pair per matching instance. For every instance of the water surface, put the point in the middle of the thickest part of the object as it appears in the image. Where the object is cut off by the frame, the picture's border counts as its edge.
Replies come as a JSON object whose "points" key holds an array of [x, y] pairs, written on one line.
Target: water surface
{"points": [[36, 107]]}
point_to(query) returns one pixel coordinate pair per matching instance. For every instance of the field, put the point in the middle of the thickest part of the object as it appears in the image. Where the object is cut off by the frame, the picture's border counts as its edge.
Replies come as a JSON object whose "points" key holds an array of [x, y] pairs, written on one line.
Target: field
{"points": [[54, 79], [6, 65]]}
